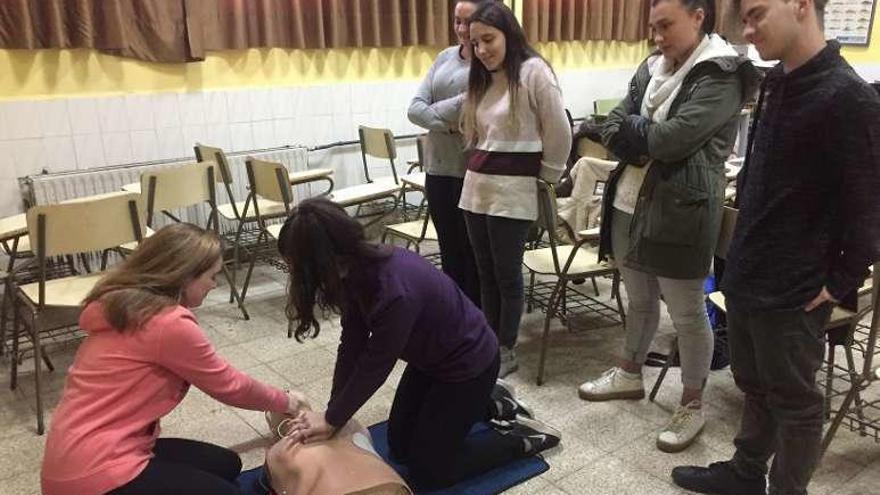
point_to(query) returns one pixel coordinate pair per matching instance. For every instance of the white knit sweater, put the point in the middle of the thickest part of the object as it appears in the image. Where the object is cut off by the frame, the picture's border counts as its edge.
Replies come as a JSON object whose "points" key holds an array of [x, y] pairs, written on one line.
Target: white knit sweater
{"points": [[508, 156]]}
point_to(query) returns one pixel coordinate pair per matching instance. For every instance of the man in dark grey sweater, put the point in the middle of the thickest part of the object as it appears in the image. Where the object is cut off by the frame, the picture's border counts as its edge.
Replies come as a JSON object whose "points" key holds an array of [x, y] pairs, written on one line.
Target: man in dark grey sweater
{"points": [[808, 228]]}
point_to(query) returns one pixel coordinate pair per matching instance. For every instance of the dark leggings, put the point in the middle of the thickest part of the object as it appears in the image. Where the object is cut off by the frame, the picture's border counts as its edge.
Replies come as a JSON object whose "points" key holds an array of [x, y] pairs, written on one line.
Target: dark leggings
{"points": [[186, 467], [456, 254], [429, 424], [498, 244]]}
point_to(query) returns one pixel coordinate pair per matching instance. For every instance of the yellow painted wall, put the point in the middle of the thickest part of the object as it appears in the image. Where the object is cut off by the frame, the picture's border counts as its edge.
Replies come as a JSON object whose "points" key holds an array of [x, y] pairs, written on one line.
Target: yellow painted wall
{"points": [[867, 54], [27, 74]]}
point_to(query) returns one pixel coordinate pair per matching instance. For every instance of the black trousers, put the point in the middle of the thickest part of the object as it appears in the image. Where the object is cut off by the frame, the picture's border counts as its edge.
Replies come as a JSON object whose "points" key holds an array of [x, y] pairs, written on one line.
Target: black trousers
{"points": [[443, 194], [774, 356], [499, 244], [186, 467], [429, 424]]}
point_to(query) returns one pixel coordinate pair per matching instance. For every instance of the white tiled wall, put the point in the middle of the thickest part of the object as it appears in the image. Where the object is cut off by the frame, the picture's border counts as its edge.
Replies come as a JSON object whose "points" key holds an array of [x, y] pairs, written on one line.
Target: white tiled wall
{"points": [[82, 133]]}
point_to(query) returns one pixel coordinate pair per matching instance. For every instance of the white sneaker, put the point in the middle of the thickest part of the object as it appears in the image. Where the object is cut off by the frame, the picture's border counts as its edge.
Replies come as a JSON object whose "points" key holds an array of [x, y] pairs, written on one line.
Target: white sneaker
{"points": [[613, 384], [508, 361], [681, 431]]}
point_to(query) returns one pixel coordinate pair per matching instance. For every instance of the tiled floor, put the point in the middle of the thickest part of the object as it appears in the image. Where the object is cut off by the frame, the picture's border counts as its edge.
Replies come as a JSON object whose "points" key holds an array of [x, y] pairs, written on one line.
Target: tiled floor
{"points": [[608, 448]]}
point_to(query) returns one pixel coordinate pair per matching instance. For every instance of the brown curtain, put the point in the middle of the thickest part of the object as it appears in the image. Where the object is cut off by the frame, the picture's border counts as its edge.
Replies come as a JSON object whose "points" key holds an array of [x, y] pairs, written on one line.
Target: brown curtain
{"points": [[182, 30], [570, 20], [728, 23], [625, 20], [310, 24], [153, 30]]}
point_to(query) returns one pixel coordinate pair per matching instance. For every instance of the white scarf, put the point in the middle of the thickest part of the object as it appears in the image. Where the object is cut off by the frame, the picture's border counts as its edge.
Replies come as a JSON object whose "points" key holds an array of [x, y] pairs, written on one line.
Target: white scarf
{"points": [[665, 84]]}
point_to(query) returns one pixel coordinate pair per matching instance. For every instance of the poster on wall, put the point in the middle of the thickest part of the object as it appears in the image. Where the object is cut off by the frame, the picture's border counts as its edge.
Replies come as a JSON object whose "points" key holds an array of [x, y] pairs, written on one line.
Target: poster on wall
{"points": [[850, 21]]}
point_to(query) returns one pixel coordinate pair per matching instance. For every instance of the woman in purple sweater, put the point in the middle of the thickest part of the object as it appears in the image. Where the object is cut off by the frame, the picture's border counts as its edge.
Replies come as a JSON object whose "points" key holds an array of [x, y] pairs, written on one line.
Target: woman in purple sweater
{"points": [[395, 305]]}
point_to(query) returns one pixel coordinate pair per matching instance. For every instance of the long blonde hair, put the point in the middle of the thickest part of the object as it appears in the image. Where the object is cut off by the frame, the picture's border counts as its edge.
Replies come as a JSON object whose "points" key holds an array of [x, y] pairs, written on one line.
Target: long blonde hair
{"points": [[153, 277]]}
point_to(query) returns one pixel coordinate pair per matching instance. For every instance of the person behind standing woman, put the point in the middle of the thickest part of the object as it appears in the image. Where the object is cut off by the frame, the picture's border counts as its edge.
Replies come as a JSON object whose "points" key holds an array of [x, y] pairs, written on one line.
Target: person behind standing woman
{"points": [[143, 350], [437, 107], [516, 131], [808, 228], [662, 209], [395, 305]]}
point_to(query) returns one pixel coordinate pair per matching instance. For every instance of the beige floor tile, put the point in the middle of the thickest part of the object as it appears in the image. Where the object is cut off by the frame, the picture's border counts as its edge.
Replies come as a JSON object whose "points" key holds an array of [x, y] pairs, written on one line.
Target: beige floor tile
{"points": [[277, 346], [21, 454], [833, 472], [221, 427], [610, 475], [865, 483], [23, 484], [604, 425], [238, 356], [643, 454], [306, 367], [862, 450], [571, 456]]}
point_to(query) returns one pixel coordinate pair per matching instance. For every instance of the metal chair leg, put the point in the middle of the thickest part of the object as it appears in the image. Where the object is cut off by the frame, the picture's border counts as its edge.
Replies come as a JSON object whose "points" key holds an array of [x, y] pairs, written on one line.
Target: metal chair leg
{"points": [[841, 413], [239, 298], [16, 317], [551, 309], [247, 277], [38, 374], [530, 300], [853, 376], [616, 291], [673, 353], [4, 314], [829, 377]]}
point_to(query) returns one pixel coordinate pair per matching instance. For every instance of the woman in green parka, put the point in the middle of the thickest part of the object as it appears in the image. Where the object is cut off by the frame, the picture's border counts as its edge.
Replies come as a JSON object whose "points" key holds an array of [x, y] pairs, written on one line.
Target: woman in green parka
{"points": [[662, 207]]}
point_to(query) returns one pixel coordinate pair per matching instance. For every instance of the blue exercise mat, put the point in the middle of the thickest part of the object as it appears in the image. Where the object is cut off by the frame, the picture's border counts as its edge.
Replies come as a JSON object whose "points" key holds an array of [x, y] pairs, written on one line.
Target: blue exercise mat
{"points": [[495, 481]]}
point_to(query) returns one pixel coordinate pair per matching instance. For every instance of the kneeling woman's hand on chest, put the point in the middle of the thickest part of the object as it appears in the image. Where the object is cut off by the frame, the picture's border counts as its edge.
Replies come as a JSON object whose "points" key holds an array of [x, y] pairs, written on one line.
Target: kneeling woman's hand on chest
{"points": [[310, 427]]}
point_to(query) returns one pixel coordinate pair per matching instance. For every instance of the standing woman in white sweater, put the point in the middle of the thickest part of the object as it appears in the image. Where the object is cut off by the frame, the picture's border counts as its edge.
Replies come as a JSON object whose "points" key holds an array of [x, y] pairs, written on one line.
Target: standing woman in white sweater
{"points": [[516, 131]]}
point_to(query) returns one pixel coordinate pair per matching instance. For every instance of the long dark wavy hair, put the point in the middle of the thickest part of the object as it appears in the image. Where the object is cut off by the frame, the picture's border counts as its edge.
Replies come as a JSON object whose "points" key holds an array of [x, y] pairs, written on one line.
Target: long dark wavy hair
{"points": [[320, 244], [517, 51]]}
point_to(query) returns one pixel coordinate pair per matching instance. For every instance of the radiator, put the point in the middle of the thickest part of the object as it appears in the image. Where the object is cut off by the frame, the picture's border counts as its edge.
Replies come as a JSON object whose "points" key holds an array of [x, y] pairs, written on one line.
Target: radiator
{"points": [[57, 187]]}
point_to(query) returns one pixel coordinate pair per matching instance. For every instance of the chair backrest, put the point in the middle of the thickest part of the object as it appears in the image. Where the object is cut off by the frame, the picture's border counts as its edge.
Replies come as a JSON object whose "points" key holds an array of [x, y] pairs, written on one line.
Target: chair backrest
{"points": [[547, 217], [570, 118], [378, 143], [421, 143], [728, 223], [605, 106], [85, 225], [269, 180], [588, 147], [178, 187], [206, 153], [222, 174]]}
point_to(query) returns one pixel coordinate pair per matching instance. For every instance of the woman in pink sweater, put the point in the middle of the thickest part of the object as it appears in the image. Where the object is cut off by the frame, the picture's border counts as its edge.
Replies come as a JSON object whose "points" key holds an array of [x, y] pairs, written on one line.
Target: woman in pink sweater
{"points": [[144, 349]]}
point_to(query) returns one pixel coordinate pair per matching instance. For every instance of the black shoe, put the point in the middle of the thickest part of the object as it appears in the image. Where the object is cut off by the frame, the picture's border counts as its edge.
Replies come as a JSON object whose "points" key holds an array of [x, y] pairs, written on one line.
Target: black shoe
{"points": [[536, 436], [718, 479], [504, 406]]}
